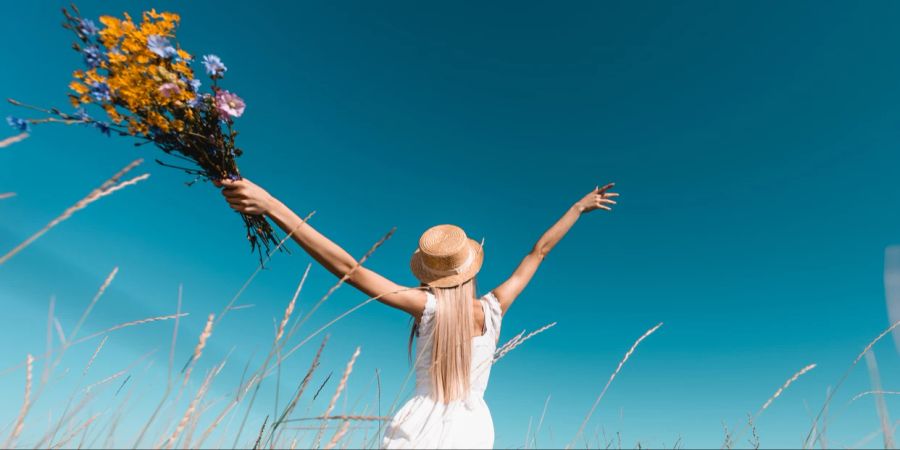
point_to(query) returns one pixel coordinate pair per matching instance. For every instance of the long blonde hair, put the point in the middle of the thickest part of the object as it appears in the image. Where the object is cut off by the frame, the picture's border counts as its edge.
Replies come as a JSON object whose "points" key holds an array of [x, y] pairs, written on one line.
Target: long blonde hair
{"points": [[451, 352]]}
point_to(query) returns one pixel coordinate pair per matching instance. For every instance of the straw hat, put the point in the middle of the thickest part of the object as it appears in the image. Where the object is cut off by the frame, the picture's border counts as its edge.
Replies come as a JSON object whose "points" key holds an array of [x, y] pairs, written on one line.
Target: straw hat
{"points": [[446, 257]]}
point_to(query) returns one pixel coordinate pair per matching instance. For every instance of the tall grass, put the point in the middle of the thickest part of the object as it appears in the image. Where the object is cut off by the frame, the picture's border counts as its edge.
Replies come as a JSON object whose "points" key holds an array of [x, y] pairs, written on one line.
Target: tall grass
{"points": [[185, 415]]}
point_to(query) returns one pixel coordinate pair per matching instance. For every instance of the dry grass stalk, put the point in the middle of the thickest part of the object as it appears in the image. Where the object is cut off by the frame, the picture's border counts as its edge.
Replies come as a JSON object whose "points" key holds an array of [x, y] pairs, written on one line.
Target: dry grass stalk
{"points": [[261, 430], [168, 389], [337, 394], [356, 417], [94, 356], [259, 268], [814, 431], [540, 423], [130, 324], [303, 384], [109, 279], [106, 188], [26, 405], [5, 195], [509, 346], [83, 427], [190, 410], [611, 378], [881, 408], [274, 351], [333, 288], [198, 350], [785, 386], [863, 394], [106, 380], [290, 309], [335, 320], [338, 436], [13, 139]]}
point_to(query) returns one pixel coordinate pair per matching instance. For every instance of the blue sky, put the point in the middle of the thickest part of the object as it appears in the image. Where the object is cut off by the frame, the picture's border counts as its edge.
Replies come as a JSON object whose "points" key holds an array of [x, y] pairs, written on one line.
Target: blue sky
{"points": [[754, 145]]}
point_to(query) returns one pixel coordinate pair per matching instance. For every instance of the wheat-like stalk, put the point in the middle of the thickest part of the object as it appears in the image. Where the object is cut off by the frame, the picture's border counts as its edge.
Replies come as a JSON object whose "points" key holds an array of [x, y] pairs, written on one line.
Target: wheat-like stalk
{"points": [[785, 386], [814, 431], [611, 378], [94, 356], [198, 350], [26, 404], [863, 394], [509, 346], [338, 436], [87, 423], [337, 394], [288, 311], [105, 189], [13, 139], [109, 279], [191, 408]]}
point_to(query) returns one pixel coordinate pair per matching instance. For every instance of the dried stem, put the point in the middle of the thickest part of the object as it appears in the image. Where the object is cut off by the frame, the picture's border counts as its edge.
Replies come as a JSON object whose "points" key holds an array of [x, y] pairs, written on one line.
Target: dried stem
{"points": [[611, 378], [106, 188], [337, 394]]}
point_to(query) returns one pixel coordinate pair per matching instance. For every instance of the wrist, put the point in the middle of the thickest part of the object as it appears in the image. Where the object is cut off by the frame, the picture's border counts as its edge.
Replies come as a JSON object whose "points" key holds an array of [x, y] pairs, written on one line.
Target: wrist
{"points": [[274, 208], [578, 208]]}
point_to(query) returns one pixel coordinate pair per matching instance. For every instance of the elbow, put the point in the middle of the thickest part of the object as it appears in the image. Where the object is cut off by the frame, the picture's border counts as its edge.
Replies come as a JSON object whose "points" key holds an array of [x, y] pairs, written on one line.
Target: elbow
{"points": [[540, 251]]}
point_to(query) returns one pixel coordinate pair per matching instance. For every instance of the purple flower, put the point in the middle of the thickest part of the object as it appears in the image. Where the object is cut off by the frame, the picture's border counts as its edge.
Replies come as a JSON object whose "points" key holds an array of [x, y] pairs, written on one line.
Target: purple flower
{"points": [[230, 104], [100, 92], [18, 124], [195, 85], [92, 56], [214, 66], [103, 127], [87, 27], [161, 46], [169, 89]]}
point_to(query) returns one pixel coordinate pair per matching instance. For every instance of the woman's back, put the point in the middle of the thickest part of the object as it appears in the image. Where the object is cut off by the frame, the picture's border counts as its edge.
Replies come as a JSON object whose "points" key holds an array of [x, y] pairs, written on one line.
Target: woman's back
{"points": [[465, 423]]}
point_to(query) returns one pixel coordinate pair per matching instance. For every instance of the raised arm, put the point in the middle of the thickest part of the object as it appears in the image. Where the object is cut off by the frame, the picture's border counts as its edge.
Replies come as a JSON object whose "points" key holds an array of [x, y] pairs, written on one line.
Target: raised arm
{"points": [[247, 197], [599, 198]]}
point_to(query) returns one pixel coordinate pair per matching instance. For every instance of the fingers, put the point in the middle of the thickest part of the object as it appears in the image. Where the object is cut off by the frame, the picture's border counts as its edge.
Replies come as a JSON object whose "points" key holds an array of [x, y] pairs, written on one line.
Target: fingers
{"points": [[605, 188]]}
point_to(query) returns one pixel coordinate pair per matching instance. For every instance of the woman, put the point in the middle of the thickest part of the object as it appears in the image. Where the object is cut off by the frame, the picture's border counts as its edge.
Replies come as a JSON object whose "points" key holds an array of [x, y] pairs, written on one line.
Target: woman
{"points": [[457, 331]]}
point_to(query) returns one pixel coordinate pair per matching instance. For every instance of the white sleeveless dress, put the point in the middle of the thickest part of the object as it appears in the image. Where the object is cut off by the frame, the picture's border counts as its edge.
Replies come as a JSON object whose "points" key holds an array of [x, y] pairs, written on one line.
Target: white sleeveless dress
{"points": [[424, 423]]}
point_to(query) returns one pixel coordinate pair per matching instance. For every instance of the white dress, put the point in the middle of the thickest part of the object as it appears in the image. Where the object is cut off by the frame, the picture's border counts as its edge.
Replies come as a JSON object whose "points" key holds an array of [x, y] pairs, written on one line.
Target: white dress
{"points": [[424, 423]]}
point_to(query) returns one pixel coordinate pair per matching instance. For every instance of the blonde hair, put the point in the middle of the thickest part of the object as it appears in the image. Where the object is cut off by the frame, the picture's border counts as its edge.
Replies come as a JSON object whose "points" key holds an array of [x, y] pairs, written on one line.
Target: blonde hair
{"points": [[451, 352]]}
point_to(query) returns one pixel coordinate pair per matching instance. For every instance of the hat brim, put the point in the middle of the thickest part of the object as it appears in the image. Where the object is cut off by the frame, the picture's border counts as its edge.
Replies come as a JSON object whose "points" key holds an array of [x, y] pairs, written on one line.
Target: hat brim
{"points": [[421, 272]]}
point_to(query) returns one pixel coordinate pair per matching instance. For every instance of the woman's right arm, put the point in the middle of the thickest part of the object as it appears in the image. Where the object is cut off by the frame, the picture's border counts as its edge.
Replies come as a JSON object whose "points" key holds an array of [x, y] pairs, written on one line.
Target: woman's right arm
{"points": [[246, 197]]}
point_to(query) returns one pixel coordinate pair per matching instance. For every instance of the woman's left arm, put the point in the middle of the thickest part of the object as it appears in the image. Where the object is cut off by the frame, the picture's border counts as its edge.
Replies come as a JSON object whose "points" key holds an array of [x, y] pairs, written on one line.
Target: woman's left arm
{"points": [[599, 198]]}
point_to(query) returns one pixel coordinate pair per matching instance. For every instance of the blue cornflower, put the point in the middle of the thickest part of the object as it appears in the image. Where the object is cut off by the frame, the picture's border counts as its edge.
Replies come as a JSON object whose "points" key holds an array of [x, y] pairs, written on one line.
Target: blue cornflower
{"points": [[103, 127], [214, 66], [160, 46], [82, 115], [100, 92], [92, 56], [19, 124], [87, 27]]}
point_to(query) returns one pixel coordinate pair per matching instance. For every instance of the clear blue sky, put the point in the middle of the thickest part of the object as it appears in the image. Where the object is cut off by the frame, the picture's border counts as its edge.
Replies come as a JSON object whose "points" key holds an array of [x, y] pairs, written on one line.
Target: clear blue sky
{"points": [[755, 145]]}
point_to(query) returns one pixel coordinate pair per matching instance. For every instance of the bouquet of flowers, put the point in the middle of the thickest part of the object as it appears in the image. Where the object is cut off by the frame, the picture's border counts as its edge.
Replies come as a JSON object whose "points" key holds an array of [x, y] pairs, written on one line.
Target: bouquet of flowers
{"points": [[144, 83]]}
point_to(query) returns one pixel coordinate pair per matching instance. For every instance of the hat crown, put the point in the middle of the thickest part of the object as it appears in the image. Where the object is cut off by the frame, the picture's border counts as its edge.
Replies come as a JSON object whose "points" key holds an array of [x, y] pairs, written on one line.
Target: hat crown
{"points": [[444, 247]]}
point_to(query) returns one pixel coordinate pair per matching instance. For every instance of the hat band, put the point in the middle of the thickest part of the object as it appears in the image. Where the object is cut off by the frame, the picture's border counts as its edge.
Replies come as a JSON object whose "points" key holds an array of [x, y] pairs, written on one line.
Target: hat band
{"points": [[454, 271]]}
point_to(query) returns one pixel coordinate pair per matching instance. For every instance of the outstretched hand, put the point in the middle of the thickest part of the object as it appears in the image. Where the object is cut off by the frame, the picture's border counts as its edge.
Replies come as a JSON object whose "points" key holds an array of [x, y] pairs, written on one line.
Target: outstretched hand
{"points": [[246, 197], [599, 198]]}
